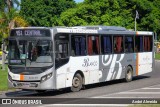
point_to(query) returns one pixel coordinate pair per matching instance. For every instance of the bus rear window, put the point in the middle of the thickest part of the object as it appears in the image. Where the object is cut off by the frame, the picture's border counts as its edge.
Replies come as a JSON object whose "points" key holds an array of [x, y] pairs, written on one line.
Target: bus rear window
{"points": [[147, 43]]}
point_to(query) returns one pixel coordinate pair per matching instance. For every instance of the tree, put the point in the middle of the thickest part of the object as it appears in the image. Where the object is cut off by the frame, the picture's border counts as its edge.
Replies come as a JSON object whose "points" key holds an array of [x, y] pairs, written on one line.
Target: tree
{"points": [[9, 20], [6, 5], [44, 12], [114, 13], [2, 5], [149, 15], [9, 17], [93, 12], [10, 4]]}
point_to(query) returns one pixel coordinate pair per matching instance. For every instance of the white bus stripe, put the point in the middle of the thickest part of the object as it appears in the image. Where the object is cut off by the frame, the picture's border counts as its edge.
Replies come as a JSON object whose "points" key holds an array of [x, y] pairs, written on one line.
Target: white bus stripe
{"points": [[124, 91], [138, 92], [147, 88], [130, 97]]}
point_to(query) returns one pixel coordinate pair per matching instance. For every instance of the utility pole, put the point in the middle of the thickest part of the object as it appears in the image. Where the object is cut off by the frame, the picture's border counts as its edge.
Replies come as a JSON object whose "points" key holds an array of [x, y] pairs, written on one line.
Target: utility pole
{"points": [[135, 24], [3, 57], [137, 17], [3, 47]]}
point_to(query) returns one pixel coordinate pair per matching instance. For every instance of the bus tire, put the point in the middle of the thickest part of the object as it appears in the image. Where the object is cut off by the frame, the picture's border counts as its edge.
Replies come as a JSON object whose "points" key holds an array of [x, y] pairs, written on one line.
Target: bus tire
{"points": [[129, 74], [76, 83]]}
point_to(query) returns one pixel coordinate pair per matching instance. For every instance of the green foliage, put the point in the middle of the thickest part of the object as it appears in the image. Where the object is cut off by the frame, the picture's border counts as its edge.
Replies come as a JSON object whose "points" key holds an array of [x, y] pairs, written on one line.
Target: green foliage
{"points": [[103, 12], [93, 12], [9, 17], [157, 56], [2, 5], [44, 12], [6, 5], [3, 79], [114, 13]]}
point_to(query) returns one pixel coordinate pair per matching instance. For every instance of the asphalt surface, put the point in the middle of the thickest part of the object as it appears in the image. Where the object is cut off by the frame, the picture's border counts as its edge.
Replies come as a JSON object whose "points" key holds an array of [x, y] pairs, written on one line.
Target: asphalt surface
{"points": [[138, 88]]}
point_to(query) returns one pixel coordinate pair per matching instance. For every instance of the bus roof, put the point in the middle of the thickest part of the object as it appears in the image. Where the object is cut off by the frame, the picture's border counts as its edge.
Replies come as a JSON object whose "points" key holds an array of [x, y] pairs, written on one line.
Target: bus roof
{"points": [[92, 30], [101, 30]]}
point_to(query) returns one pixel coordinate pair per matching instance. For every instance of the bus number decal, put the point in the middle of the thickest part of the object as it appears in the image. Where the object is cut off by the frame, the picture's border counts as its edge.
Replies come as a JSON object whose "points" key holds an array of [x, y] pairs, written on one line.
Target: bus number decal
{"points": [[19, 33]]}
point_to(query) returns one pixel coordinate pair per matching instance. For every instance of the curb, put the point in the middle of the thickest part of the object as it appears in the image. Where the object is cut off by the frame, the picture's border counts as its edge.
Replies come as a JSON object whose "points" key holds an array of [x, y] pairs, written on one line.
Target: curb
{"points": [[157, 60]]}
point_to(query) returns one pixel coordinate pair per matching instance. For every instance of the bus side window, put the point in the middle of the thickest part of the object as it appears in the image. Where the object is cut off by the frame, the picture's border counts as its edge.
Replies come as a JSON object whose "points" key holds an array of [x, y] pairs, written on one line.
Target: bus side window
{"points": [[138, 43], [62, 50], [129, 44], [106, 44], [147, 43], [118, 44], [93, 45], [78, 44]]}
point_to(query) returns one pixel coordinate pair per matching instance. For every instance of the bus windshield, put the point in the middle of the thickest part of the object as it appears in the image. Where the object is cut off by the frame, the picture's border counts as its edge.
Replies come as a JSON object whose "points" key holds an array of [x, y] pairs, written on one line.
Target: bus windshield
{"points": [[33, 53]]}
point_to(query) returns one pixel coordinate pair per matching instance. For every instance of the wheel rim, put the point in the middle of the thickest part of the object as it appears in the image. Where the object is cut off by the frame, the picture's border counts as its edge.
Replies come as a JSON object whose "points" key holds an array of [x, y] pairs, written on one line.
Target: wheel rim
{"points": [[129, 75], [76, 82]]}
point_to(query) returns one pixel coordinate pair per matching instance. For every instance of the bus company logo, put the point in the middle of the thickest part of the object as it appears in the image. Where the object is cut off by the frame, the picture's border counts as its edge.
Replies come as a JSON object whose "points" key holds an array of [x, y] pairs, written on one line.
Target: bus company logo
{"points": [[89, 63], [83, 31], [113, 61], [6, 101]]}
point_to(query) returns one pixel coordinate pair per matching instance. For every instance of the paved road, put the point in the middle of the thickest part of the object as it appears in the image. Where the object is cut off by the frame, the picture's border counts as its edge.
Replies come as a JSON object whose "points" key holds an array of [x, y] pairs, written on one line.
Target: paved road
{"points": [[144, 86]]}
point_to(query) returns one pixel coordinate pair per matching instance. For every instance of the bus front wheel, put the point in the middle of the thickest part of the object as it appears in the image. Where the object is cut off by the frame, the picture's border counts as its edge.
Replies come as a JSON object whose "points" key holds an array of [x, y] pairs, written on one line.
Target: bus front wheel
{"points": [[129, 74], [76, 83]]}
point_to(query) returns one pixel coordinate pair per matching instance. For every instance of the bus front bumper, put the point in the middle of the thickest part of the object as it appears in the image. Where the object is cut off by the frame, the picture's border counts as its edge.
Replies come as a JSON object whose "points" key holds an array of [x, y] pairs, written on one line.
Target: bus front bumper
{"points": [[46, 85]]}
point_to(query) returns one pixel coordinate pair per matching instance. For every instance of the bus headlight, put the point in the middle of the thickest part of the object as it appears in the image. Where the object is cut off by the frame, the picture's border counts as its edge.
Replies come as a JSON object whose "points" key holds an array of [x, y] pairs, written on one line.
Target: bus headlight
{"points": [[46, 77]]}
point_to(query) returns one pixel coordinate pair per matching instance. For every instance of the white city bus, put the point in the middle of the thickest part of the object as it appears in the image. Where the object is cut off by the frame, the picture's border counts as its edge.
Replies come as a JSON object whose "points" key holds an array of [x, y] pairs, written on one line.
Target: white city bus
{"points": [[42, 58]]}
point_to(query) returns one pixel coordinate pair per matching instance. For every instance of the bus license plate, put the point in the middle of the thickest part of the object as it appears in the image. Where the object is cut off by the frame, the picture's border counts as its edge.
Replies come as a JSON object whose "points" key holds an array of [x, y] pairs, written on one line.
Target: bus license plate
{"points": [[22, 84]]}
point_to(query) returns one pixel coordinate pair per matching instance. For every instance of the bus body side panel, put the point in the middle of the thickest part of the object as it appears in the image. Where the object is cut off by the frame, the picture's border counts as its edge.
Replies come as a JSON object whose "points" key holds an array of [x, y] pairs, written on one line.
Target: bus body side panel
{"points": [[61, 76], [96, 68], [113, 66], [103, 68], [145, 63], [88, 65]]}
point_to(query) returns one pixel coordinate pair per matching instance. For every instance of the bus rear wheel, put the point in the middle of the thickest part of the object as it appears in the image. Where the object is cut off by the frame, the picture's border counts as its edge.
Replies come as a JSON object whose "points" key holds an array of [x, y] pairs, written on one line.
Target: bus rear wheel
{"points": [[129, 74], [76, 83]]}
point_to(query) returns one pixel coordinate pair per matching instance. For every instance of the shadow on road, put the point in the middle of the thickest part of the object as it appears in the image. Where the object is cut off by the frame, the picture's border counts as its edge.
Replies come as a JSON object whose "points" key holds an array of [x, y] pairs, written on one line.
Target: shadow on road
{"points": [[114, 82], [22, 93]]}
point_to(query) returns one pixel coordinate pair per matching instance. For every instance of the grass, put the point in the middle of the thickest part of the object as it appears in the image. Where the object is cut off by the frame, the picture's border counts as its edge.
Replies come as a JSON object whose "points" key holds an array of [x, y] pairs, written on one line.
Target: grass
{"points": [[145, 105], [3, 79], [157, 56]]}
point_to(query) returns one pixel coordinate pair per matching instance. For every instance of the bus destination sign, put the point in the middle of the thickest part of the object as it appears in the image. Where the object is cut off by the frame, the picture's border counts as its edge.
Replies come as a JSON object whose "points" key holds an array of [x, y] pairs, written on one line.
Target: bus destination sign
{"points": [[30, 32]]}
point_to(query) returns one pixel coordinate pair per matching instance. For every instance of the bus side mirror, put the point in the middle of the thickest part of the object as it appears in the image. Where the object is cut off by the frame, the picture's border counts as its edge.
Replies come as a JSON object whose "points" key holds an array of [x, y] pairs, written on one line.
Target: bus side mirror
{"points": [[5, 52]]}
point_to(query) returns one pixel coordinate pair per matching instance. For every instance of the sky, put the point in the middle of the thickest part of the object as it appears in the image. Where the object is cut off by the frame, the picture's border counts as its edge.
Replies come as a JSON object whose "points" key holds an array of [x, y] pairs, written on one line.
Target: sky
{"points": [[77, 1]]}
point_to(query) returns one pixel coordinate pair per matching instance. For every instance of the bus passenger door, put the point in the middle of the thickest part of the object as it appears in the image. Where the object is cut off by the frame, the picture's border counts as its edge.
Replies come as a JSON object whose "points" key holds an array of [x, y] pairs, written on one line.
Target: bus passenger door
{"points": [[61, 62]]}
